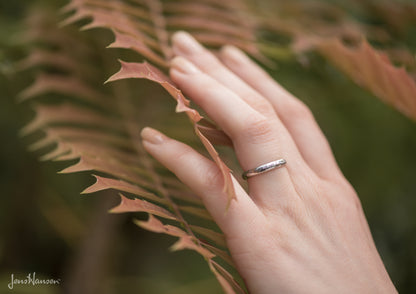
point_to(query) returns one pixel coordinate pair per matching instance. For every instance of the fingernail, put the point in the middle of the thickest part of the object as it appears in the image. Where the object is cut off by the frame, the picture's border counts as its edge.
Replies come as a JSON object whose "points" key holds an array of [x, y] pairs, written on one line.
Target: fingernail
{"points": [[183, 65], [185, 43], [234, 54], [152, 136]]}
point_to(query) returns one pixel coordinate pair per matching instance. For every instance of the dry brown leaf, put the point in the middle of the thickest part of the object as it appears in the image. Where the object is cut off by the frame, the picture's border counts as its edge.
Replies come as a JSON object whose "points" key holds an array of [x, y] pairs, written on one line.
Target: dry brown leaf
{"points": [[188, 242], [374, 71], [103, 183], [228, 283], [155, 225], [110, 144], [218, 238], [137, 205]]}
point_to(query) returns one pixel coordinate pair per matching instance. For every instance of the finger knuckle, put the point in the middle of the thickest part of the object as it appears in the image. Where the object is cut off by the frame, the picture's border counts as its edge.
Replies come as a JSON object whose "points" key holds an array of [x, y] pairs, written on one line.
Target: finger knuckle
{"points": [[260, 104], [349, 202], [257, 130], [298, 110], [353, 203], [213, 177]]}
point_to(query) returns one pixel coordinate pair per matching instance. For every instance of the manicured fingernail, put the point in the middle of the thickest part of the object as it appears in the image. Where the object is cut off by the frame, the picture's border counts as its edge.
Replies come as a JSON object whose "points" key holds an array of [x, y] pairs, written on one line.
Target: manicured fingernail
{"points": [[183, 65], [234, 54], [185, 43], [152, 136]]}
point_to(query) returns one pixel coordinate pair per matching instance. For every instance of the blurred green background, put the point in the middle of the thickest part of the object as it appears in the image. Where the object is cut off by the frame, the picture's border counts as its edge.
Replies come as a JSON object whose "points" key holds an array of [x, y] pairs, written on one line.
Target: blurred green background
{"points": [[47, 228]]}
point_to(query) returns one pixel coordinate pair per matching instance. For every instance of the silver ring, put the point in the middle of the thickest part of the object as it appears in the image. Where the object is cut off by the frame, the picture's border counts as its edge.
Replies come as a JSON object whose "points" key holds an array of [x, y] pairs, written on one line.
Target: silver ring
{"points": [[264, 168]]}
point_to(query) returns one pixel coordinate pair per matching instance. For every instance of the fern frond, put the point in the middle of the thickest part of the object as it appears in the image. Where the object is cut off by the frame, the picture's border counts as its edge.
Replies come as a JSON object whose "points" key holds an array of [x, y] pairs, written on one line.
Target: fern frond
{"points": [[373, 70], [329, 30], [99, 126]]}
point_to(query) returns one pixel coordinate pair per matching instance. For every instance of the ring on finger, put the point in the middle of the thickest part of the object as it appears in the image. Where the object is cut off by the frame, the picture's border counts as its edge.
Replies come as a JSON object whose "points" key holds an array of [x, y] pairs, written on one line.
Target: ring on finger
{"points": [[264, 168]]}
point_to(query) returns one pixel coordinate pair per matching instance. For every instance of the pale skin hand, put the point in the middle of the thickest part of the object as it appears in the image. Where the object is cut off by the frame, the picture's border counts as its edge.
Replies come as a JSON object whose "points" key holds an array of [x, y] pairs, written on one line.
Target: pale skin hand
{"points": [[300, 228]]}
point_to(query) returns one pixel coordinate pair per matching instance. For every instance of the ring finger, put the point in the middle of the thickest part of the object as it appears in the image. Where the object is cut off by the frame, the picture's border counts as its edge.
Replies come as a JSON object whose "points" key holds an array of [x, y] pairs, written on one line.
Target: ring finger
{"points": [[257, 139]]}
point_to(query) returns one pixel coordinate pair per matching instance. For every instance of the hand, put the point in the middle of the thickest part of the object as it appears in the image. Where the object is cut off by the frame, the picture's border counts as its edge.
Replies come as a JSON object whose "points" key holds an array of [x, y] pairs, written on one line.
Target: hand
{"points": [[300, 228]]}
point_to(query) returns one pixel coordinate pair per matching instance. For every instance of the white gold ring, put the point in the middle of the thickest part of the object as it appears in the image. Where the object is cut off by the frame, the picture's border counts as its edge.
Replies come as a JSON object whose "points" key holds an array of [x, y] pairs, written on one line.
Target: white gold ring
{"points": [[264, 168]]}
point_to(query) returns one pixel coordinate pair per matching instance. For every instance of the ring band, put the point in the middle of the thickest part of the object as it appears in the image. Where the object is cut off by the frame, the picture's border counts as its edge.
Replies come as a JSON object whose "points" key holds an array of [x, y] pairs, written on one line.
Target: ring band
{"points": [[264, 168]]}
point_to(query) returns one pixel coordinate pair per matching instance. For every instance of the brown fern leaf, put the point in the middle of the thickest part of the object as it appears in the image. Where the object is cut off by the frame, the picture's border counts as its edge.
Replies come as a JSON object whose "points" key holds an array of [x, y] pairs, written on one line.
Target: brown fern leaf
{"points": [[373, 70], [98, 126], [145, 27], [324, 27]]}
